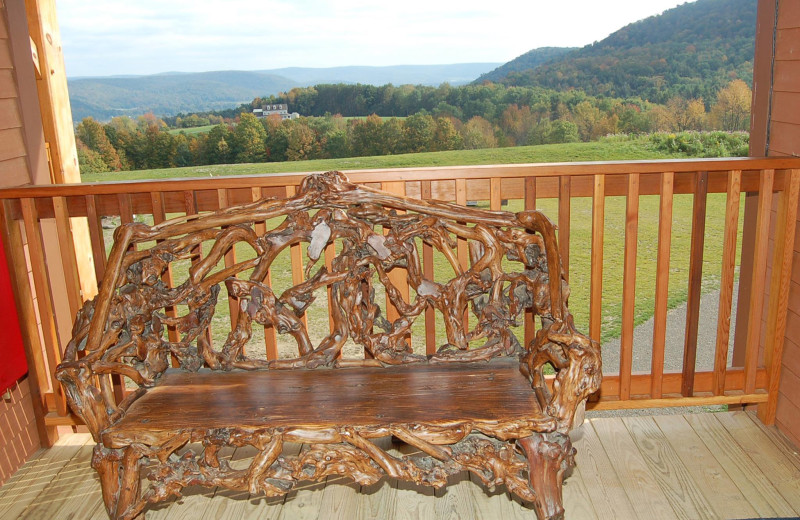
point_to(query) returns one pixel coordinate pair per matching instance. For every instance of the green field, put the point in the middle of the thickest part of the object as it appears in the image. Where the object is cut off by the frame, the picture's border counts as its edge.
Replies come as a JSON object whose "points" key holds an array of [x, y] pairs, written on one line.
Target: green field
{"points": [[580, 235], [193, 130], [603, 150]]}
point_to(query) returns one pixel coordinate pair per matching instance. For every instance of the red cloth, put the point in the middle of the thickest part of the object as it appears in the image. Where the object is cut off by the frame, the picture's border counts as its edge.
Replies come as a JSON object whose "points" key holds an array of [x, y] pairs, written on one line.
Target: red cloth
{"points": [[12, 354]]}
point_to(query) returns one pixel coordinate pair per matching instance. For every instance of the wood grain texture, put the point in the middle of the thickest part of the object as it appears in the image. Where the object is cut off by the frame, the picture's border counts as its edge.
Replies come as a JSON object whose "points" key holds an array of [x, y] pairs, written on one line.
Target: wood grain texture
{"points": [[727, 277], [710, 477], [768, 457], [672, 476], [695, 283], [629, 286], [758, 279], [598, 234], [646, 496], [662, 283], [364, 397], [780, 283], [604, 488], [738, 464]]}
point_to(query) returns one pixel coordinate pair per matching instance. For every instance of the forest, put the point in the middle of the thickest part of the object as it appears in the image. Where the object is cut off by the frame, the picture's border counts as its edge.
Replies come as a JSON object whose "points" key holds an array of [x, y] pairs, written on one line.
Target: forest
{"points": [[405, 119]]}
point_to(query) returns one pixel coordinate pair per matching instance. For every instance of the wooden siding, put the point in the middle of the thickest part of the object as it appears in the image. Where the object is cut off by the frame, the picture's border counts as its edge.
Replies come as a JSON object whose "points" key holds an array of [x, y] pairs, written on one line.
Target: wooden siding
{"points": [[13, 166], [19, 438], [776, 109]]}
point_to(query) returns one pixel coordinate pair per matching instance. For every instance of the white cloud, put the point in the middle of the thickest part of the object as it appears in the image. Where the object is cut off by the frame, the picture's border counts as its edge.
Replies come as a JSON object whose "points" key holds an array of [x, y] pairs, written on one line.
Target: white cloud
{"points": [[148, 36]]}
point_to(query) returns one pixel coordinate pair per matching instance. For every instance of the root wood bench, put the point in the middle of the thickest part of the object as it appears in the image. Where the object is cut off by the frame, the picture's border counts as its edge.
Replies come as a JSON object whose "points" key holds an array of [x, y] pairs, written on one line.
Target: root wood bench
{"points": [[481, 402]]}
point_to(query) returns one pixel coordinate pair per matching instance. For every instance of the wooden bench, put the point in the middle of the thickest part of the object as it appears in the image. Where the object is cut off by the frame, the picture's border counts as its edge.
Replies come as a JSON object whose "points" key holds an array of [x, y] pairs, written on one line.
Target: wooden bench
{"points": [[481, 402]]}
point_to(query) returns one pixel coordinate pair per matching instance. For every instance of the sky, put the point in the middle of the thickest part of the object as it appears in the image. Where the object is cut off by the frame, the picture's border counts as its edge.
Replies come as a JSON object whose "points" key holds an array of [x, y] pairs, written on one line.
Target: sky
{"points": [[110, 37]]}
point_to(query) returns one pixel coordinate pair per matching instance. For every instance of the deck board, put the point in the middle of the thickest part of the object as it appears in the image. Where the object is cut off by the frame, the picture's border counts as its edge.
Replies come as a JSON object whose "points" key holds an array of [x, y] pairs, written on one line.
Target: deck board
{"points": [[724, 465], [674, 478], [717, 486], [640, 484], [750, 480]]}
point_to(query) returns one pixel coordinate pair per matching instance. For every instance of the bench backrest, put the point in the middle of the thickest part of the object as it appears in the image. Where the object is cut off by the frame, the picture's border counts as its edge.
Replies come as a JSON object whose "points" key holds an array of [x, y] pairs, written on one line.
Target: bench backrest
{"points": [[359, 243]]}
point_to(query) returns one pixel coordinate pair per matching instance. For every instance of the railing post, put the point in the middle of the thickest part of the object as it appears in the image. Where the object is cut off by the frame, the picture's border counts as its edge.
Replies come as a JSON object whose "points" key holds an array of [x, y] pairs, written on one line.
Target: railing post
{"points": [[779, 291], [759, 275]]}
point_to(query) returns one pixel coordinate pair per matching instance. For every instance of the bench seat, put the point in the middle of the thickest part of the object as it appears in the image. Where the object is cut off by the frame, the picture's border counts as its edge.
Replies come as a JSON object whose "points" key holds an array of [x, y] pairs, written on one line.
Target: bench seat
{"points": [[481, 394]]}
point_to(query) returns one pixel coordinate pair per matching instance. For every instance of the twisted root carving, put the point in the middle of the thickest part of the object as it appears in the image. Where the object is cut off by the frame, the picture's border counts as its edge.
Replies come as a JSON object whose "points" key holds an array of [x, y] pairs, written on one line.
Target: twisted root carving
{"points": [[512, 266]]}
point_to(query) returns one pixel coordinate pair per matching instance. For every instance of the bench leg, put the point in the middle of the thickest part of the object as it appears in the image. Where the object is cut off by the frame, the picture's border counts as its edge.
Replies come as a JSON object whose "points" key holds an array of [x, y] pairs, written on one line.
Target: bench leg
{"points": [[119, 480], [549, 456]]}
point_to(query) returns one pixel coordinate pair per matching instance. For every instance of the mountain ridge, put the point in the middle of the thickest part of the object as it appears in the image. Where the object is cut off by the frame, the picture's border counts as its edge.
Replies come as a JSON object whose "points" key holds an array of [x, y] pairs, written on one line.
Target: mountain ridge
{"points": [[691, 50], [165, 94]]}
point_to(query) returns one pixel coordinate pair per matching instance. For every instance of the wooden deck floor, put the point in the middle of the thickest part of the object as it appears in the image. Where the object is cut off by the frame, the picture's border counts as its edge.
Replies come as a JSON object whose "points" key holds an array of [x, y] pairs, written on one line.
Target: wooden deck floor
{"points": [[720, 465]]}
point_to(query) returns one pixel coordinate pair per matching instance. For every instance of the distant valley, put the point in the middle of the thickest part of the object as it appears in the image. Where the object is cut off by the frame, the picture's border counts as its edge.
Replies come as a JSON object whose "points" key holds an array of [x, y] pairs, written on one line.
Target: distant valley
{"points": [[172, 93]]}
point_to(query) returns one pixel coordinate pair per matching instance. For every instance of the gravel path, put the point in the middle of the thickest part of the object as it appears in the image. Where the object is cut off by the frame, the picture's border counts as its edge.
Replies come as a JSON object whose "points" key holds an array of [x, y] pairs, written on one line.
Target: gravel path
{"points": [[673, 358]]}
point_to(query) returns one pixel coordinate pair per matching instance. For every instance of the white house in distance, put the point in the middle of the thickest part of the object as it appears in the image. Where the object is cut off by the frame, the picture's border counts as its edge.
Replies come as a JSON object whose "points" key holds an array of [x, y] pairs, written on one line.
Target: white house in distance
{"points": [[282, 109]]}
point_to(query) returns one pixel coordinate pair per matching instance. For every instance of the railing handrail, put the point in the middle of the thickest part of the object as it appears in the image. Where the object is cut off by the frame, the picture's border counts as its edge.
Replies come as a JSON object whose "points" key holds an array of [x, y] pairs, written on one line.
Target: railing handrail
{"points": [[28, 213], [432, 173]]}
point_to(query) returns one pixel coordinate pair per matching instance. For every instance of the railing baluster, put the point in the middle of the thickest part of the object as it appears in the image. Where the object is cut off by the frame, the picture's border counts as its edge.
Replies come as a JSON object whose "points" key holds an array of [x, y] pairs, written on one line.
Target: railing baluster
{"points": [[779, 291], [96, 236], [727, 280], [270, 334], [759, 276], [68, 261], [397, 277], [629, 286], [598, 235], [462, 247], [427, 272], [159, 216], [662, 283], [695, 282], [44, 297], [230, 258], [564, 199], [530, 204], [495, 194]]}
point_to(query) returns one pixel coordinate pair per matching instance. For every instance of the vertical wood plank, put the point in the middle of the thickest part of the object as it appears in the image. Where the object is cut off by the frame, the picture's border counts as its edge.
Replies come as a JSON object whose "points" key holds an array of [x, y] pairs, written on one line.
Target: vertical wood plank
{"points": [[462, 248], [758, 279], [159, 216], [564, 206], [68, 260], [695, 282], [598, 234], [223, 202], [726, 280], [662, 282], [629, 286], [530, 204], [779, 291], [96, 236], [44, 297], [296, 254], [427, 272], [495, 196], [530, 193], [398, 277]]}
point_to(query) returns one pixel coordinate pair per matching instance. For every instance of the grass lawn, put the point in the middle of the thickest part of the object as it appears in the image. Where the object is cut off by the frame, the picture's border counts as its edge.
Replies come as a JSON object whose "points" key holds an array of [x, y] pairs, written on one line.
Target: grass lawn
{"points": [[580, 244], [604, 150], [193, 130]]}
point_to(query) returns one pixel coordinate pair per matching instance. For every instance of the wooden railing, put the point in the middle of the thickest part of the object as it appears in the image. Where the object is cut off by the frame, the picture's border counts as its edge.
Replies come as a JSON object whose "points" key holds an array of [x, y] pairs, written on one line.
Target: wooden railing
{"points": [[584, 199]]}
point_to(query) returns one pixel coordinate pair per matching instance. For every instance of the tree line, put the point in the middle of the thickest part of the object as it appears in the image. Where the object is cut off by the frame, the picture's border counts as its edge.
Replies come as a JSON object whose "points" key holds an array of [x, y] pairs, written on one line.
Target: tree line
{"points": [[404, 119]]}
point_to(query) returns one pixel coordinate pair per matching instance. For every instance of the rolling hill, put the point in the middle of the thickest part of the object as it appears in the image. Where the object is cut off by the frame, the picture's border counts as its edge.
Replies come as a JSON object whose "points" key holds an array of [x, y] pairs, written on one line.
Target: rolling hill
{"points": [[175, 92], [691, 50]]}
